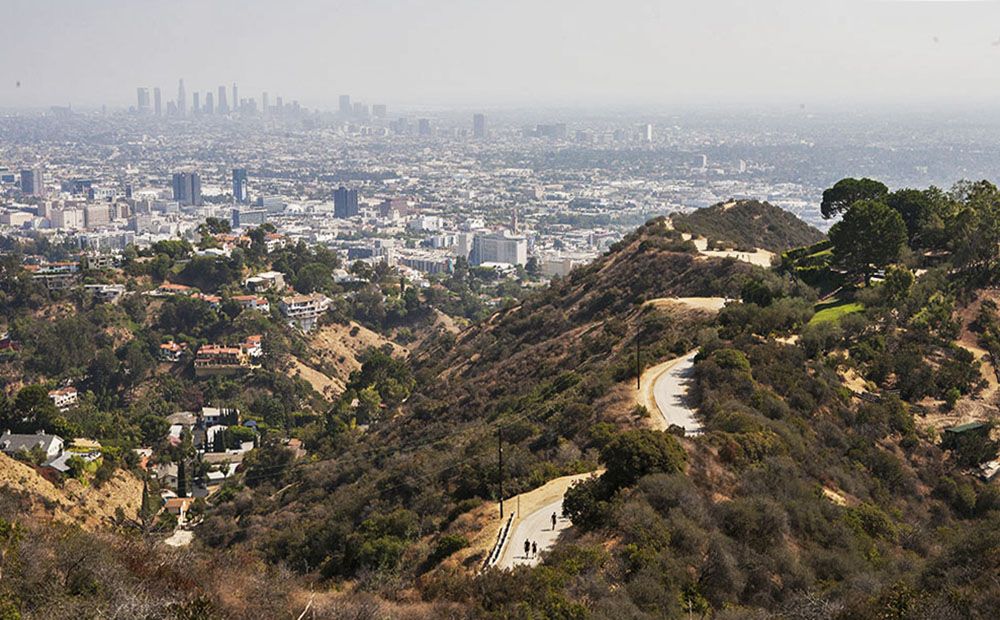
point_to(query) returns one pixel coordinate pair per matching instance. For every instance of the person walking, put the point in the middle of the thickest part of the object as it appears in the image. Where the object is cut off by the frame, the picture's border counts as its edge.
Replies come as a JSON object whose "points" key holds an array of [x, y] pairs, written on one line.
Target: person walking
{"points": [[553, 521], [534, 549], [527, 548]]}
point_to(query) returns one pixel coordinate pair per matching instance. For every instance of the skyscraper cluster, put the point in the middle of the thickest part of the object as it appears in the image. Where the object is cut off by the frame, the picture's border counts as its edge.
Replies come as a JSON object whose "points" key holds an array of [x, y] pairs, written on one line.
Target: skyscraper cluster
{"points": [[360, 111], [222, 102]]}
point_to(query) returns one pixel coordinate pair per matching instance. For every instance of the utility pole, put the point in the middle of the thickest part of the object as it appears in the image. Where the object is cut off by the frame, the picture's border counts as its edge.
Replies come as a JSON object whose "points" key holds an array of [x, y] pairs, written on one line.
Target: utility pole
{"points": [[500, 458]]}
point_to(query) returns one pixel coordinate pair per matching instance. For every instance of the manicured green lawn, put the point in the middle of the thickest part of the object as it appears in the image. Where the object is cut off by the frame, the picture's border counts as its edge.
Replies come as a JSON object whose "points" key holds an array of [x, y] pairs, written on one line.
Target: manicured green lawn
{"points": [[834, 310]]}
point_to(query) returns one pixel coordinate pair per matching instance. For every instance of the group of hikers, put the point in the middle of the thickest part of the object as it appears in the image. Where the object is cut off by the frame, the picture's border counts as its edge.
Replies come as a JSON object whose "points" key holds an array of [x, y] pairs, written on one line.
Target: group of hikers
{"points": [[531, 547]]}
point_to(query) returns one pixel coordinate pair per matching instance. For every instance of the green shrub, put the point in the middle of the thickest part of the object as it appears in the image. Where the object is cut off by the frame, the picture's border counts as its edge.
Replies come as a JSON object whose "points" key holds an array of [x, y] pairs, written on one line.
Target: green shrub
{"points": [[446, 546]]}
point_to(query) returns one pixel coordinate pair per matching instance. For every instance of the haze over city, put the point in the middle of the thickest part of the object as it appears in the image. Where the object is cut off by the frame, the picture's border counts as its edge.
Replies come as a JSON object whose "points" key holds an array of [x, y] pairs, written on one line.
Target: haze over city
{"points": [[519, 53]]}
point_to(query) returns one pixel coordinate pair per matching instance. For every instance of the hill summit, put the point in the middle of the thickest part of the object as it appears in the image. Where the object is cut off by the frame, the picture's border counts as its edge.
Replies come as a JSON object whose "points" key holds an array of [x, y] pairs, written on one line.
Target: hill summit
{"points": [[748, 224]]}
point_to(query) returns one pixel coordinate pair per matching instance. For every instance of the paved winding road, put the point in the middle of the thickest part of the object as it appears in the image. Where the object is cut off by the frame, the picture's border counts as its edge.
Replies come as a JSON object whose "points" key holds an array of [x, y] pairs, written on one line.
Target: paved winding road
{"points": [[665, 388], [670, 390], [537, 528], [534, 523]]}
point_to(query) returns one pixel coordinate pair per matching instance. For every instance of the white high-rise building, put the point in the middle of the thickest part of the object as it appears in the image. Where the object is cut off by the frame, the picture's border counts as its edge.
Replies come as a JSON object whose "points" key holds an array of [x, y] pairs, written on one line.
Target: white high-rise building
{"points": [[502, 247], [646, 132], [67, 218]]}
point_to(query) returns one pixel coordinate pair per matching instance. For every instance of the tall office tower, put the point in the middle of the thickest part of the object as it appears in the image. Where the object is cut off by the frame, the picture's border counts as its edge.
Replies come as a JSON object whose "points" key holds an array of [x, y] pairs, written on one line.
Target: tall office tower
{"points": [[646, 132], [187, 188], [196, 104], [142, 103], [264, 109], [279, 105], [345, 105], [31, 181], [236, 98], [181, 99], [379, 110], [223, 106], [157, 104], [424, 127], [209, 103], [240, 193], [478, 125], [345, 202], [360, 110]]}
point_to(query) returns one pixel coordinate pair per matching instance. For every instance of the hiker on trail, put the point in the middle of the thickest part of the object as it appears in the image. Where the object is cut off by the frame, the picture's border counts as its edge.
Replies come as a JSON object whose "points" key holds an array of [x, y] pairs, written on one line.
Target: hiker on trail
{"points": [[534, 549], [527, 547], [553, 521]]}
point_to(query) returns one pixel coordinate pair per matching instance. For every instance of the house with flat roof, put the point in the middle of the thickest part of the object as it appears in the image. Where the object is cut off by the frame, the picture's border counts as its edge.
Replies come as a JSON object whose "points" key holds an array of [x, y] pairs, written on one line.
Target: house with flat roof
{"points": [[266, 281], [64, 398], [213, 416], [105, 293], [55, 276], [253, 302], [303, 311], [969, 427]]}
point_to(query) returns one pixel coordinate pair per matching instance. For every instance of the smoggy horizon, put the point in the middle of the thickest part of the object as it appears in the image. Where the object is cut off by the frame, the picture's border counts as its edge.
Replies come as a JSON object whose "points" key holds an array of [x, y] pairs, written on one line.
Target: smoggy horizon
{"points": [[448, 54]]}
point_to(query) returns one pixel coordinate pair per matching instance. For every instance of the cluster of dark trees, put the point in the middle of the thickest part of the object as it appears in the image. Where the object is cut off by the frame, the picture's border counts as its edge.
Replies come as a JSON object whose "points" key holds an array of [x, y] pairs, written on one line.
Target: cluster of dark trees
{"points": [[878, 227]]}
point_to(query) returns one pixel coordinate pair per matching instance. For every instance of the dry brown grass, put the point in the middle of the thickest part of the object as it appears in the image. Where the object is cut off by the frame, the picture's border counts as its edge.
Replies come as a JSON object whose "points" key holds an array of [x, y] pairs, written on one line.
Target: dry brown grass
{"points": [[333, 355], [87, 506]]}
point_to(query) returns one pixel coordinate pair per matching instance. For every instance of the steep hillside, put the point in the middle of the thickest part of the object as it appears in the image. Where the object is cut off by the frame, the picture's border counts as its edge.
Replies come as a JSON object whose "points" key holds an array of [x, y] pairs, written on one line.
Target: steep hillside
{"points": [[581, 320], [71, 502], [748, 224], [818, 482], [333, 353], [797, 495], [553, 372]]}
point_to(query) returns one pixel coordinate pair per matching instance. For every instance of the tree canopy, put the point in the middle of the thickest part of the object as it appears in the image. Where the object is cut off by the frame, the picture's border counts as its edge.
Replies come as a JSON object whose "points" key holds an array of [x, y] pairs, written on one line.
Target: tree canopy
{"points": [[869, 237], [636, 453], [846, 192]]}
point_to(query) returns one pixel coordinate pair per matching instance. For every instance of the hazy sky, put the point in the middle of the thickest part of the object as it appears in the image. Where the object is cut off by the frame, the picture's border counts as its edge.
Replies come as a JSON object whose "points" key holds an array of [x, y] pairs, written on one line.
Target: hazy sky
{"points": [[504, 52]]}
